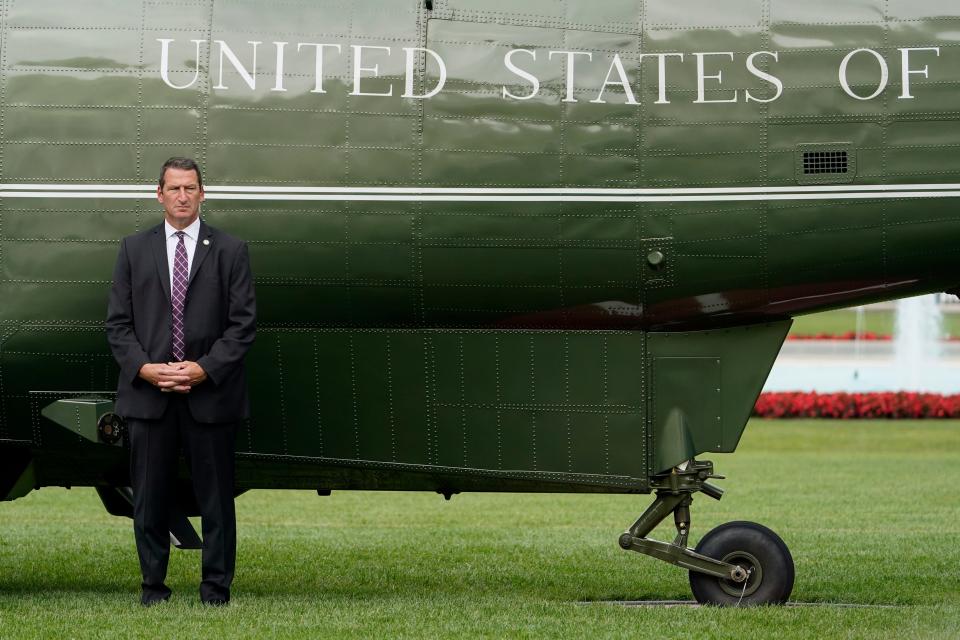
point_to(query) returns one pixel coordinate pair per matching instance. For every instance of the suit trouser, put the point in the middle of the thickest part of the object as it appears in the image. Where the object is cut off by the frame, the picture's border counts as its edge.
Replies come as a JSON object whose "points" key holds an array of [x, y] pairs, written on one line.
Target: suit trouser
{"points": [[209, 450]]}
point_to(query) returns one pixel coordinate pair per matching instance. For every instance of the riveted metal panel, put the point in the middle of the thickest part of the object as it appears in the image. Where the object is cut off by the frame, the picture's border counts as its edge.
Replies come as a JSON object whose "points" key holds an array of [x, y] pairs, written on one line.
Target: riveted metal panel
{"points": [[548, 403]]}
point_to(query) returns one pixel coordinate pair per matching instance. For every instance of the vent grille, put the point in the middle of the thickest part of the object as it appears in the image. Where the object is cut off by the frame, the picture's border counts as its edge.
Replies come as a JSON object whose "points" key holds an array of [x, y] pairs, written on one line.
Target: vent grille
{"points": [[819, 162]]}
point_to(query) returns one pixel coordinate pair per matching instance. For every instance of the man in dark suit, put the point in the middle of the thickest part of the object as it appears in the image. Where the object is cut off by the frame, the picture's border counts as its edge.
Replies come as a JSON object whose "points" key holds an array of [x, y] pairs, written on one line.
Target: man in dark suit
{"points": [[180, 320]]}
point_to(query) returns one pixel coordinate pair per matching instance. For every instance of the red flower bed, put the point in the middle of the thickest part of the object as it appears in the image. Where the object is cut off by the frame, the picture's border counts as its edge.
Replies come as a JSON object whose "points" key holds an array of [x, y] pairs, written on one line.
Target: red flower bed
{"points": [[848, 335], [901, 404], [851, 335]]}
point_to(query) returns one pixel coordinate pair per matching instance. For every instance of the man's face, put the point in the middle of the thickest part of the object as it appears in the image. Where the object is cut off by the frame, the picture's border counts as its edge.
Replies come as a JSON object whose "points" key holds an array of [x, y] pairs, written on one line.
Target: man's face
{"points": [[181, 195]]}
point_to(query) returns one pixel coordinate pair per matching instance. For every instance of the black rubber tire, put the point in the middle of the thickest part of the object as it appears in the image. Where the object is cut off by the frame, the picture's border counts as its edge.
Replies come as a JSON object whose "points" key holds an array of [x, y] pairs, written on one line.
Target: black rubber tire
{"points": [[752, 546]]}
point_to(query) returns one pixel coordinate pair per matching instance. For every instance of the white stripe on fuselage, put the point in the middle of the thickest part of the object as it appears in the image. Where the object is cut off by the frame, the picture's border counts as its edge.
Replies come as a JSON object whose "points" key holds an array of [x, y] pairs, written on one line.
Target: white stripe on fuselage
{"points": [[496, 194]]}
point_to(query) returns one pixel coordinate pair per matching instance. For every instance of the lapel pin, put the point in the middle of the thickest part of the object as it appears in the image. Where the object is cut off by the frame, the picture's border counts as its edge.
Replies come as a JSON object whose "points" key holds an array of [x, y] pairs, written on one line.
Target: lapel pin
{"points": [[206, 241]]}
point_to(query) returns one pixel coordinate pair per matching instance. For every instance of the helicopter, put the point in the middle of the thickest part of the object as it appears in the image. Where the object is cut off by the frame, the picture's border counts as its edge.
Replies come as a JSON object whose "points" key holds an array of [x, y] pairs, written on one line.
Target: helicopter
{"points": [[537, 247]]}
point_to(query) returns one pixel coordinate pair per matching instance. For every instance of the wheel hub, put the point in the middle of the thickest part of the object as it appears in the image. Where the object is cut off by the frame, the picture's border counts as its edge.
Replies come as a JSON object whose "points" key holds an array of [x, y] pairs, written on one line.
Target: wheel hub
{"points": [[746, 576]]}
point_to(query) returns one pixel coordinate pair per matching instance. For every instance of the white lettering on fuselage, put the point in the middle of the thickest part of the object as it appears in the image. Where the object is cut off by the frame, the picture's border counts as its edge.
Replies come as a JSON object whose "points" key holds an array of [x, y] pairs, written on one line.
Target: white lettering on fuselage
{"points": [[248, 77], [906, 71], [529, 77], [713, 68], [884, 74], [884, 70]]}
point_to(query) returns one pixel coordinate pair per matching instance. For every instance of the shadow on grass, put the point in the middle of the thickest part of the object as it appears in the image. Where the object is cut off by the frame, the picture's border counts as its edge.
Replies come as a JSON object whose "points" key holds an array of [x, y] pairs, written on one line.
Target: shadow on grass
{"points": [[355, 572]]}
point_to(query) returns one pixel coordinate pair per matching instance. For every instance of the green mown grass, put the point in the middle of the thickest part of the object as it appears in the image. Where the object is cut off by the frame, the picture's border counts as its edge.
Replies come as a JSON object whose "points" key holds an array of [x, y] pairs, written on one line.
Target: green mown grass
{"points": [[880, 321], [869, 510]]}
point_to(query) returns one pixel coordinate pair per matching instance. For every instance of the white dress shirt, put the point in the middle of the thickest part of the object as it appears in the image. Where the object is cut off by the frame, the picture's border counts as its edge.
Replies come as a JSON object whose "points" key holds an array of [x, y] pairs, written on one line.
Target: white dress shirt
{"points": [[190, 235]]}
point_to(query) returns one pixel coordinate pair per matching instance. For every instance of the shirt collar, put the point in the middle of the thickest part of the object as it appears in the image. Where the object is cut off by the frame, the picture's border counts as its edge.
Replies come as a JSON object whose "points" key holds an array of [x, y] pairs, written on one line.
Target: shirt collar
{"points": [[192, 231]]}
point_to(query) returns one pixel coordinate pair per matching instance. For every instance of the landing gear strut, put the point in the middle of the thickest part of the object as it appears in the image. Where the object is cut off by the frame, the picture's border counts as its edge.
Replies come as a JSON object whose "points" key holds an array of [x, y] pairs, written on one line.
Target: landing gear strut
{"points": [[738, 563]]}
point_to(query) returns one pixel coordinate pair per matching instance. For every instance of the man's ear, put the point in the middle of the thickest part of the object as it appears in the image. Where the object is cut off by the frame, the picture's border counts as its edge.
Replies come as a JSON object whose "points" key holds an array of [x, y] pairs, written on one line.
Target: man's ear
{"points": [[159, 194]]}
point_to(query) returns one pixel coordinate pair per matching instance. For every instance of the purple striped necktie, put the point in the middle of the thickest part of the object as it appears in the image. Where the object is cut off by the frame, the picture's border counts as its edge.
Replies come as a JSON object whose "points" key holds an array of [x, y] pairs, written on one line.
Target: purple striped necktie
{"points": [[178, 294]]}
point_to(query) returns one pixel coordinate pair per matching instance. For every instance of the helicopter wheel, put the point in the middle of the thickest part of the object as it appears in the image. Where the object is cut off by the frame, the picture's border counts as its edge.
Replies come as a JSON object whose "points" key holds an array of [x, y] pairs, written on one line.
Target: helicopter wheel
{"points": [[761, 553]]}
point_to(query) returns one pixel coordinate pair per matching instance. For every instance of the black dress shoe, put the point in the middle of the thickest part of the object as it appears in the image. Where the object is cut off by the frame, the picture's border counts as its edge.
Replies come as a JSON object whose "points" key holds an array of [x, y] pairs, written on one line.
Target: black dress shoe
{"points": [[148, 600], [216, 602]]}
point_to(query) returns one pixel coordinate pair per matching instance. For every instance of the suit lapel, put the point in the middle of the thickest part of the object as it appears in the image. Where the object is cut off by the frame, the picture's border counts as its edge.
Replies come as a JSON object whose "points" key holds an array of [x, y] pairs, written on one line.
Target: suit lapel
{"points": [[159, 243], [204, 243]]}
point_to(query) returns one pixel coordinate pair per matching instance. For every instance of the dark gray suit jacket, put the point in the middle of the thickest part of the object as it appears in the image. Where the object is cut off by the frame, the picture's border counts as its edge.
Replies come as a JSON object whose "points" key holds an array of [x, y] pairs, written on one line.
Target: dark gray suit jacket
{"points": [[219, 323]]}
